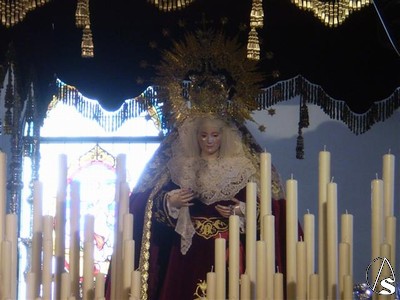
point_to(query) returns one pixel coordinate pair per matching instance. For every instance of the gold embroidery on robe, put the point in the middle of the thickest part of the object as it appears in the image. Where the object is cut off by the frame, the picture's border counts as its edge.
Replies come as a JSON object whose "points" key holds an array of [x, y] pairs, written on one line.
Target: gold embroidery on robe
{"points": [[209, 227]]}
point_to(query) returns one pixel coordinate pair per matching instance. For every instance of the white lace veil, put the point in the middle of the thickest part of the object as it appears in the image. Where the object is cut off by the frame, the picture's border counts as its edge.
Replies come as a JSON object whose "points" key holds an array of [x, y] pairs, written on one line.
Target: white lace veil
{"points": [[220, 180]]}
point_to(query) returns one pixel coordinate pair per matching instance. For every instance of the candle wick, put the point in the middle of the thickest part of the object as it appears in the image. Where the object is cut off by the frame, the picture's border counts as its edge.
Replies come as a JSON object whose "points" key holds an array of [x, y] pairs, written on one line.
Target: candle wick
{"points": [[346, 211], [308, 211], [291, 176], [389, 150], [212, 268], [332, 179], [376, 175], [324, 147]]}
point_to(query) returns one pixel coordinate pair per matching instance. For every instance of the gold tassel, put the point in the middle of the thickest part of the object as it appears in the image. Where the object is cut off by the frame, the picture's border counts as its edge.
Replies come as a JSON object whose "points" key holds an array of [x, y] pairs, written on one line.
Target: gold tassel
{"points": [[87, 42], [253, 46], [257, 14]]}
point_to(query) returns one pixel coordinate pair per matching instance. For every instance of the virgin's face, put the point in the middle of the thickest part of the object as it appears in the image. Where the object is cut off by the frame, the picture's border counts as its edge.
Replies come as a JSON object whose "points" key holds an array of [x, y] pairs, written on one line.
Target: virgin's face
{"points": [[209, 138]]}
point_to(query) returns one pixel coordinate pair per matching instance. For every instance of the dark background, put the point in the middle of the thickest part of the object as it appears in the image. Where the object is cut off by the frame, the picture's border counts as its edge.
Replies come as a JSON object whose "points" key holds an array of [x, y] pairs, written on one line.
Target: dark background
{"points": [[354, 62]]}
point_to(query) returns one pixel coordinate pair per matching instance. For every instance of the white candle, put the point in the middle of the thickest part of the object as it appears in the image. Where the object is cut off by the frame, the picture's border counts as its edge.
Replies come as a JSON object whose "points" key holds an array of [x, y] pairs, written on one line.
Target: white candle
{"points": [[88, 264], [245, 287], [47, 274], [99, 286], [344, 265], [251, 233], [376, 221], [347, 235], [265, 184], [220, 267], [135, 285], [309, 239], [234, 235], [3, 192], [313, 287], [269, 238], [211, 286], [127, 229], [348, 287], [128, 265], [60, 221], [391, 237], [261, 279], [48, 222], [6, 249], [291, 237], [121, 167], [388, 183], [65, 286], [74, 243], [332, 240], [12, 236], [324, 176], [30, 286], [37, 231], [278, 286], [301, 261], [89, 228]]}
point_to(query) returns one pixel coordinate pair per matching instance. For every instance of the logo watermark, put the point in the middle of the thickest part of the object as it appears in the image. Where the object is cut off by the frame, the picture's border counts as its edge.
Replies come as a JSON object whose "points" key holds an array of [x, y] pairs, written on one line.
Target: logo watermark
{"points": [[383, 282]]}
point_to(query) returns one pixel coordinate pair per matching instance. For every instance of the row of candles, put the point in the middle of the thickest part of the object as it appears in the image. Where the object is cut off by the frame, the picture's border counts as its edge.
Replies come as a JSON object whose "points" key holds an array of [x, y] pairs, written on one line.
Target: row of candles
{"points": [[334, 277], [47, 278], [333, 280]]}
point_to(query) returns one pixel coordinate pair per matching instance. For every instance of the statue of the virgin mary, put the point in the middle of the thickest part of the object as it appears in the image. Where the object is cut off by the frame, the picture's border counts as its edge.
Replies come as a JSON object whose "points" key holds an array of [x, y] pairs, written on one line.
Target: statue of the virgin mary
{"points": [[198, 176]]}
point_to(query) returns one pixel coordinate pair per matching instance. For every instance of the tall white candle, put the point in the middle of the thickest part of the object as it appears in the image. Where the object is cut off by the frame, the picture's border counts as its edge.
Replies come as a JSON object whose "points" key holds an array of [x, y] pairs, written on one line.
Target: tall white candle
{"points": [[332, 240], [324, 176], [12, 236], [135, 285], [233, 271], [291, 237], [348, 289], [128, 266], [211, 286], [30, 286], [313, 287], [388, 174], [48, 223], [88, 265], [47, 274], [301, 260], [127, 229], [391, 237], [278, 286], [376, 221], [3, 192], [344, 265], [261, 279], [220, 267], [6, 249], [347, 235], [89, 228], [251, 233], [37, 231], [74, 243], [309, 239], [269, 238], [60, 221], [245, 287], [99, 286], [265, 184], [65, 286]]}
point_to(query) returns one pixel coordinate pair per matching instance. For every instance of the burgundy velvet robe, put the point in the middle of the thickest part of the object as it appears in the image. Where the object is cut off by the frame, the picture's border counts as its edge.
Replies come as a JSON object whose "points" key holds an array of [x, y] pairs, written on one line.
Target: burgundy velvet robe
{"points": [[173, 275]]}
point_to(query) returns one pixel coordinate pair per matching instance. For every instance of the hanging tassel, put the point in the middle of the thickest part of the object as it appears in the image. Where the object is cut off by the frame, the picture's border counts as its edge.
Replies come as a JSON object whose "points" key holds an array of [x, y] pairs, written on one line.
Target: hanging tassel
{"points": [[253, 45], [87, 42], [81, 14], [300, 146], [304, 117], [257, 14]]}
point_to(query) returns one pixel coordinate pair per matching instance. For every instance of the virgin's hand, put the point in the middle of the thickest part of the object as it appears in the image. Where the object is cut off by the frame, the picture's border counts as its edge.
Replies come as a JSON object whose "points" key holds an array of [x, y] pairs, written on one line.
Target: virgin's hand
{"points": [[228, 210], [180, 198]]}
